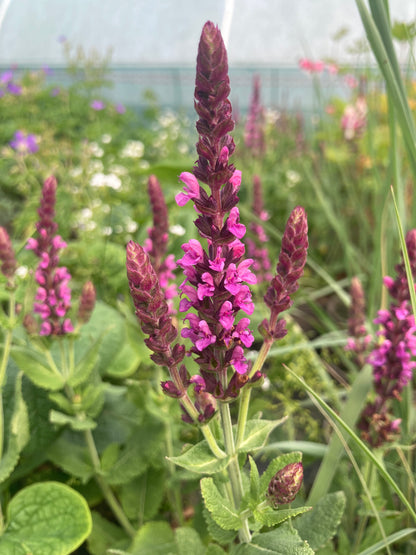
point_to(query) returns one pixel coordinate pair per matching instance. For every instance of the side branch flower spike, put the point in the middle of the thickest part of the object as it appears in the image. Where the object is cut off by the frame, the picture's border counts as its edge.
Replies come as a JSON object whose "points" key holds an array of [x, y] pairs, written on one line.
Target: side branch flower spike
{"points": [[256, 248], [157, 241], [7, 256], [53, 297], [254, 129], [358, 340], [392, 358], [86, 303], [292, 259]]}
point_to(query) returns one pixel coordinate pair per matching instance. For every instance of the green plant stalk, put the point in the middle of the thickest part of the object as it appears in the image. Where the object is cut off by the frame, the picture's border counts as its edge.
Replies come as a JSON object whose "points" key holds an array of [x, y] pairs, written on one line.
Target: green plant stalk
{"points": [[358, 442], [176, 500], [246, 393], [5, 359], [233, 467]]}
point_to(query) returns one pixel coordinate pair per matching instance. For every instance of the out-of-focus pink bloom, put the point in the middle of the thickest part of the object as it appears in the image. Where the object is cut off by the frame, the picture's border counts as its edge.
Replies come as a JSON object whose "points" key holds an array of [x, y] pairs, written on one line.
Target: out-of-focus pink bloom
{"points": [[120, 109], [24, 143], [351, 81], [311, 66], [97, 105], [354, 118]]}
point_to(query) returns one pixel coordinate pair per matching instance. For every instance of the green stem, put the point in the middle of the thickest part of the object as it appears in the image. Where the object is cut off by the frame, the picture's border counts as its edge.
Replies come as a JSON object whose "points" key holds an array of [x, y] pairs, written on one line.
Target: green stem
{"points": [[246, 393], [213, 445], [233, 467], [105, 488], [176, 500]]}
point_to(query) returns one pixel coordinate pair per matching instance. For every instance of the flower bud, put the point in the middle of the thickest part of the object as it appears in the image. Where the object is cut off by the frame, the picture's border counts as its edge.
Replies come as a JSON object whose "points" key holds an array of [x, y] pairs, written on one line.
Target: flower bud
{"points": [[284, 485], [7, 258], [86, 303]]}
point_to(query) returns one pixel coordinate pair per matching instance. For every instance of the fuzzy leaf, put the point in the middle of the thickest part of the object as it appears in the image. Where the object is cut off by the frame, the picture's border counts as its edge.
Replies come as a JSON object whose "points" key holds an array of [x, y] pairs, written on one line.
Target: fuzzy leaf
{"points": [[72, 458], [277, 464], [76, 423], [224, 515], [86, 365], [320, 525], [46, 518], [143, 495], [200, 459], [218, 534], [256, 434], [269, 517], [282, 541], [214, 549], [105, 535], [18, 435], [254, 479], [125, 362], [37, 369], [154, 538], [188, 541]]}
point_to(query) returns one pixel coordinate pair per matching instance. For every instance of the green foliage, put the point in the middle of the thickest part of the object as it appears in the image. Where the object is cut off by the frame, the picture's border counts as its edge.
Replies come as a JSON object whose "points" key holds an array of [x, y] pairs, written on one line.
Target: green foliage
{"points": [[282, 541], [46, 518]]}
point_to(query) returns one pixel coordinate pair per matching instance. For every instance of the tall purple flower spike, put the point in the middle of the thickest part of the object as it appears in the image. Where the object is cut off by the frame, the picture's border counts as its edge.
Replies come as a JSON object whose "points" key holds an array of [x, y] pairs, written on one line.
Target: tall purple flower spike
{"points": [[7, 255], [254, 129], [53, 296], [256, 244], [216, 281], [392, 358]]}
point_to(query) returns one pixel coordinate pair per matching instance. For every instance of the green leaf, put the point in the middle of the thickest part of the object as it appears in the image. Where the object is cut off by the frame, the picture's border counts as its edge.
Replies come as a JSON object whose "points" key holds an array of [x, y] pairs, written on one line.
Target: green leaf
{"points": [[218, 534], [224, 515], [214, 549], [154, 538], [125, 362], [256, 434], [104, 535], [72, 458], [269, 517], [200, 459], [86, 365], [46, 518], [37, 369], [320, 525], [393, 538], [282, 541], [143, 495], [277, 464], [75, 422], [188, 541], [254, 480], [18, 435]]}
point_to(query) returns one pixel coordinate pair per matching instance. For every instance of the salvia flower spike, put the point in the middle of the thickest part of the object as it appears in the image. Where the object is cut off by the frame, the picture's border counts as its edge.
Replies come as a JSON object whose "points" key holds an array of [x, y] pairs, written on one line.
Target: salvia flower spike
{"points": [[358, 339], [256, 244], [53, 296], [217, 280], [289, 269], [86, 303], [392, 357], [7, 255]]}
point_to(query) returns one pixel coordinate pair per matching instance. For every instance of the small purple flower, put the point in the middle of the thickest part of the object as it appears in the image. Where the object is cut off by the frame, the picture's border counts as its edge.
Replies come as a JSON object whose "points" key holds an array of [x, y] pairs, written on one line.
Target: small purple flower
{"points": [[97, 105], [55, 91], [6, 77], [24, 143], [120, 109]]}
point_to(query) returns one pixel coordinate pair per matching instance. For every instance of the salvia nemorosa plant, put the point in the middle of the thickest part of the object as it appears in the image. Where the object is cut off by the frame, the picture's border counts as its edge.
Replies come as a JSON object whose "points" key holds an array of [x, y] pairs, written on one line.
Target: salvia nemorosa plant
{"points": [[254, 132], [358, 338], [391, 358], [215, 292]]}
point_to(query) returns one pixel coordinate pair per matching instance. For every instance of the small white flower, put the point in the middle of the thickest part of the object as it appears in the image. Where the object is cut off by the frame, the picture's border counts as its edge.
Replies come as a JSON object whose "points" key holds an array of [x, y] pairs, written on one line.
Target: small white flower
{"points": [[177, 230], [75, 172], [144, 164], [93, 149], [95, 166], [106, 138], [118, 228], [131, 226], [133, 149], [106, 208], [266, 384], [118, 170], [22, 271], [293, 177], [107, 230]]}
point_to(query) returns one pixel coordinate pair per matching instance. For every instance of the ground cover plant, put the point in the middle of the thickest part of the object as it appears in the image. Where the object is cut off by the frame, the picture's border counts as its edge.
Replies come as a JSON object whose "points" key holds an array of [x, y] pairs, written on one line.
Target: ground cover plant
{"points": [[157, 394]]}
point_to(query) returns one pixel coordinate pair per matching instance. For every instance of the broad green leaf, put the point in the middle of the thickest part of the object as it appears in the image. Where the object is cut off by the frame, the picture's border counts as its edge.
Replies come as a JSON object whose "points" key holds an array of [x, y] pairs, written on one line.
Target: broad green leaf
{"points": [[125, 362], [154, 538], [72, 458], [46, 518], [282, 541], [77, 423], [269, 517], [188, 541], [214, 549], [85, 366], [137, 454], [104, 535], [320, 525], [256, 434], [277, 464], [37, 369], [18, 435], [143, 495], [62, 401], [200, 459], [218, 534], [224, 515]]}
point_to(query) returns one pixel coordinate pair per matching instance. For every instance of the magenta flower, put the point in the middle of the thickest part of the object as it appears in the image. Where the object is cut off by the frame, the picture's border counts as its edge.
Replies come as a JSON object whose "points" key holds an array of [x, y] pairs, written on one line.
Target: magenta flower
{"points": [[53, 296], [120, 109], [392, 359]]}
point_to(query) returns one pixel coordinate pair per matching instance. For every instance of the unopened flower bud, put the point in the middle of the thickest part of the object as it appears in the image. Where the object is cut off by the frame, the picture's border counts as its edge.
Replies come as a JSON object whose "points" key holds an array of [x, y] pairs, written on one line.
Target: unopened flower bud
{"points": [[86, 303], [284, 485]]}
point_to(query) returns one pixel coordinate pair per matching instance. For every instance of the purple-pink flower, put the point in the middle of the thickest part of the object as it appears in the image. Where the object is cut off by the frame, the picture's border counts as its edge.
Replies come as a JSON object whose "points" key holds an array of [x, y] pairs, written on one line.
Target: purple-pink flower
{"points": [[24, 143], [97, 105]]}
